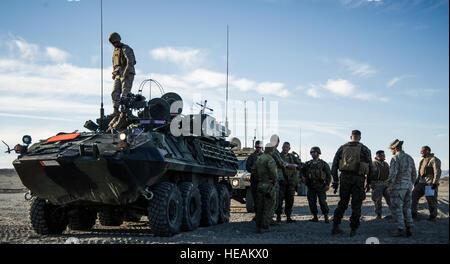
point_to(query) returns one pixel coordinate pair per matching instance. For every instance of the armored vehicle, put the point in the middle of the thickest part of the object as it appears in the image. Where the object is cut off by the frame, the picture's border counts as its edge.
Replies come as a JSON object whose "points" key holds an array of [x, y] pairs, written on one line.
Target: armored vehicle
{"points": [[241, 181], [170, 167]]}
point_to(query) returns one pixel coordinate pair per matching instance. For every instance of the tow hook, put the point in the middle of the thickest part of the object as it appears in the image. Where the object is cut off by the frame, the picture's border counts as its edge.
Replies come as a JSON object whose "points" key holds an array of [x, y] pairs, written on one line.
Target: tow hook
{"points": [[28, 196], [148, 194]]}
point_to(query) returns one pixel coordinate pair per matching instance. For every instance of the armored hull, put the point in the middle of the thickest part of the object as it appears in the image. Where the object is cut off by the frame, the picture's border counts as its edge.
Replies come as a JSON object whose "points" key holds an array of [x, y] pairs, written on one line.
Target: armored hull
{"points": [[178, 181], [93, 168]]}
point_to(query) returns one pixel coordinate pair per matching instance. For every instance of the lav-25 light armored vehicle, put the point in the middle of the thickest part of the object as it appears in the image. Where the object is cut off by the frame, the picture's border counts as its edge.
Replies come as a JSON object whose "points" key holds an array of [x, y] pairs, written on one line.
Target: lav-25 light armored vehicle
{"points": [[173, 168]]}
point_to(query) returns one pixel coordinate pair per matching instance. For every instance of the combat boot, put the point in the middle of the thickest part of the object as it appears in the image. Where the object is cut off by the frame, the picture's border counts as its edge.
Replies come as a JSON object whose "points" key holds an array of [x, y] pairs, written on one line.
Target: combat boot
{"points": [[336, 230], [378, 216], [314, 219], [408, 231], [326, 219], [352, 232], [290, 220], [399, 233], [274, 223]]}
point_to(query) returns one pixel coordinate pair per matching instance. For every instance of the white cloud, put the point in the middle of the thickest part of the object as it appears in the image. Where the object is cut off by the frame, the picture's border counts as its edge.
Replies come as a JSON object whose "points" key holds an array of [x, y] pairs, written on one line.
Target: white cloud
{"points": [[420, 92], [340, 87], [313, 92], [396, 79], [56, 54], [184, 57], [358, 69], [27, 51]]}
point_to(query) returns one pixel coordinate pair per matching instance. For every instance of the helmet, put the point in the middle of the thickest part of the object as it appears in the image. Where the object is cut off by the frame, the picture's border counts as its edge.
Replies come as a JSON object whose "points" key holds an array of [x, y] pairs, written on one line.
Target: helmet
{"points": [[316, 149], [114, 37]]}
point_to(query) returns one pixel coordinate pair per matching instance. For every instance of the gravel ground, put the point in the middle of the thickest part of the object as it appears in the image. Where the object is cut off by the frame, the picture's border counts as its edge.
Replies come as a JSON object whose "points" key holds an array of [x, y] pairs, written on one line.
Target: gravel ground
{"points": [[15, 227]]}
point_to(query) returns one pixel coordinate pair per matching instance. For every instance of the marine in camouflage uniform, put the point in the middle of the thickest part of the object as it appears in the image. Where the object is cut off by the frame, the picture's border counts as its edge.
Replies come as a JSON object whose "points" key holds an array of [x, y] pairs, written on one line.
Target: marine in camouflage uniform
{"points": [[288, 183], [266, 169], [317, 177], [353, 160], [378, 182], [402, 174], [429, 175], [123, 74], [249, 165]]}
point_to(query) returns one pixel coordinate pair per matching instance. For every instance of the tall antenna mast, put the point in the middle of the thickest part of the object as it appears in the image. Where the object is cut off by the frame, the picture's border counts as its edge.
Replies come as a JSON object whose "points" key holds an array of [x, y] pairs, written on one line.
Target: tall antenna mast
{"points": [[300, 148], [245, 121], [262, 119], [102, 111], [226, 98]]}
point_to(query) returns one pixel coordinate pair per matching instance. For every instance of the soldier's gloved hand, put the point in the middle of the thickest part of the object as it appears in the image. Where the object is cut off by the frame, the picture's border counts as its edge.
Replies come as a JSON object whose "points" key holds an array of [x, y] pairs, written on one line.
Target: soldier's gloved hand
{"points": [[335, 187], [434, 186]]}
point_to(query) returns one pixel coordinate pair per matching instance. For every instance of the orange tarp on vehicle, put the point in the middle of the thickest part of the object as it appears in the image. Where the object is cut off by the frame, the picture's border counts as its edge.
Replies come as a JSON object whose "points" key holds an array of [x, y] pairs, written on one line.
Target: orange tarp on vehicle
{"points": [[63, 137]]}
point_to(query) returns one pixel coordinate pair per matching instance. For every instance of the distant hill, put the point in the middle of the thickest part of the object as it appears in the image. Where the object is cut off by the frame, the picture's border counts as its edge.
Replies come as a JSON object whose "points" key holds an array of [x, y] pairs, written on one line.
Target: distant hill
{"points": [[8, 172]]}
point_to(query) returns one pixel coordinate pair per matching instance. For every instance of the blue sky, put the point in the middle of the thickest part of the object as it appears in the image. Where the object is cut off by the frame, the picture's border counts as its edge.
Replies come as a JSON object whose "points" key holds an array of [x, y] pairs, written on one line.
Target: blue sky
{"points": [[326, 66]]}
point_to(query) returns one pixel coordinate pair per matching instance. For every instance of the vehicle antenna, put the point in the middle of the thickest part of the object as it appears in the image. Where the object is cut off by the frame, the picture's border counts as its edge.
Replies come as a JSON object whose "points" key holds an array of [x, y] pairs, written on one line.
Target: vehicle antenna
{"points": [[102, 110], [226, 98]]}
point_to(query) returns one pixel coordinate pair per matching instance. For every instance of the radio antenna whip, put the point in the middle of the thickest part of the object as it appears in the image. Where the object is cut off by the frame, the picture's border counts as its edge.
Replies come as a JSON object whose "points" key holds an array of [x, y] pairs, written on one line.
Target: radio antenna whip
{"points": [[226, 98], [102, 110]]}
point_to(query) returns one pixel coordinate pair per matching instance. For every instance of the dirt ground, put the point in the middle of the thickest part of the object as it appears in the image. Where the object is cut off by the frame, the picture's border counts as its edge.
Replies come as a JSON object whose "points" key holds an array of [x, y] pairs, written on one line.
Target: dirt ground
{"points": [[15, 227]]}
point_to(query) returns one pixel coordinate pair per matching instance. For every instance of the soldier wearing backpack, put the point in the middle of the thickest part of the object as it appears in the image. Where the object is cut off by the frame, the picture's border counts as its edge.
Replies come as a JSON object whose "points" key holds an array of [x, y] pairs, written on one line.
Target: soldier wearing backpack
{"points": [[353, 160]]}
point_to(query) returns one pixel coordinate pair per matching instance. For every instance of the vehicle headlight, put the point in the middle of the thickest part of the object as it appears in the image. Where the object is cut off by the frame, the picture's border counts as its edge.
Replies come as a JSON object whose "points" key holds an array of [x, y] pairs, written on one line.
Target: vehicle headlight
{"points": [[235, 182], [123, 136]]}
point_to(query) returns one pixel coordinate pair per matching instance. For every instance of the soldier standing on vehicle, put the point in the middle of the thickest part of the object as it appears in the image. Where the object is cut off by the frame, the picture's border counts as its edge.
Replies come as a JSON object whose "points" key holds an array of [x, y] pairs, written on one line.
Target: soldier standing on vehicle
{"points": [[429, 175], [378, 182], [266, 169], [402, 174], [288, 183], [317, 176], [123, 72], [249, 165], [353, 160]]}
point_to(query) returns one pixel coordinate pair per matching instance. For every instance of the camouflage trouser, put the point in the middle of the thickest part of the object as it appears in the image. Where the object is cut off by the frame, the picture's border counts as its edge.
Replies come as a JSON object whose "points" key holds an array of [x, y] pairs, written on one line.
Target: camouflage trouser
{"points": [[277, 197], [286, 194], [401, 207], [351, 186], [313, 194], [418, 192], [253, 189], [121, 88], [379, 190], [265, 201]]}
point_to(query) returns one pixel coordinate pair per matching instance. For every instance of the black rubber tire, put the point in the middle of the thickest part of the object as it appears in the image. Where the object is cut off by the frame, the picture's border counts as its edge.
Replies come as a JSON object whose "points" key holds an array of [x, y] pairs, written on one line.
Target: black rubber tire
{"points": [[192, 206], [224, 203], [46, 218], [82, 219], [249, 201], [165, 209], [111, 217], [210, 205]]}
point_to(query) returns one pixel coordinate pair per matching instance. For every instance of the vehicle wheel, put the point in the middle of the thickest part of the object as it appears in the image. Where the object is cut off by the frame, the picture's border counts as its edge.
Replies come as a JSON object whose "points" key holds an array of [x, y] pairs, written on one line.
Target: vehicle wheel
{"points": [[210, 205], [192, 206], [249, 201], [224, 203], [82, 219], [111, 217], [165, 210], [47, 218]]}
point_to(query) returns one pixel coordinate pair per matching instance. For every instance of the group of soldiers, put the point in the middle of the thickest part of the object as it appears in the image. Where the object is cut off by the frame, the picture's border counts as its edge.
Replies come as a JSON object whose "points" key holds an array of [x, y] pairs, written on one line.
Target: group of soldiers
{"points": [[275, 176]]}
